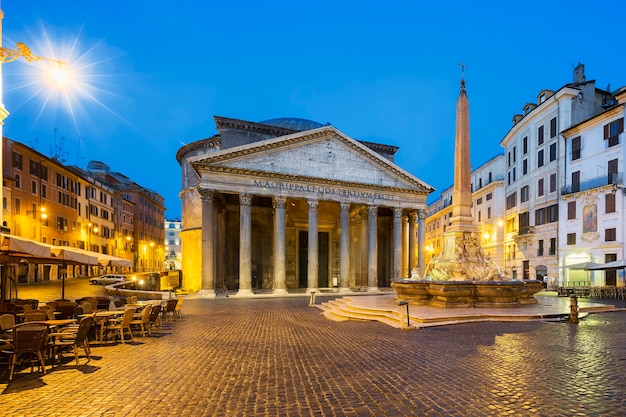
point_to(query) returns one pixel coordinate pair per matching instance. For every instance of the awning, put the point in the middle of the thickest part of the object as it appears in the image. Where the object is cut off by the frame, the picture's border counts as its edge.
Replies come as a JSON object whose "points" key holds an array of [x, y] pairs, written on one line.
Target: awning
{"points": [[19, 247], [71, 256], [609, 265], [107, 260], [583, 265]]}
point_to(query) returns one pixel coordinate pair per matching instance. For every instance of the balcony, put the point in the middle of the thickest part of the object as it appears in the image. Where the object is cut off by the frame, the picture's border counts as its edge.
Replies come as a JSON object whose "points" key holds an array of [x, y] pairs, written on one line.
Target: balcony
{"points": [[596, 182]]}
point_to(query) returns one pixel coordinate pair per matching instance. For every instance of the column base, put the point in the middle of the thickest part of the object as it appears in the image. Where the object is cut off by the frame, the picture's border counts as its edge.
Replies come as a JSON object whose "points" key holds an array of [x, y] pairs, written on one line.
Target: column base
{"points": [[373, 289], [244, 293], [280, 291], [310, 290], [344, 289], [207, 294]]}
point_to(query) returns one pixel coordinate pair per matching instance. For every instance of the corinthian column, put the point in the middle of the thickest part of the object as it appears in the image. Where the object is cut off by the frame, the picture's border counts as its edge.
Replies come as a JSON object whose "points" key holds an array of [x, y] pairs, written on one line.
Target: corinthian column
{"points": [[344, 221], [313, 256], [412, 241], [421, 238], [245, 245], [280, 257], [208, 244], [372, 258], [397, 242]]}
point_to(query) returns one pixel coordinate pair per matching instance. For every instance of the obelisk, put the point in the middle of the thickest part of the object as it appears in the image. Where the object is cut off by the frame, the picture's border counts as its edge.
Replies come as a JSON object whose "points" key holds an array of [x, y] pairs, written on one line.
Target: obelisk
{"points": [[462, 192]]}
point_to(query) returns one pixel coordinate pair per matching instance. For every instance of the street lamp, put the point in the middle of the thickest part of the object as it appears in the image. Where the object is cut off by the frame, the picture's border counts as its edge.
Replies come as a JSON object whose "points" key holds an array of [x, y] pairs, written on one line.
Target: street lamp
{"points": [[10, 55]]}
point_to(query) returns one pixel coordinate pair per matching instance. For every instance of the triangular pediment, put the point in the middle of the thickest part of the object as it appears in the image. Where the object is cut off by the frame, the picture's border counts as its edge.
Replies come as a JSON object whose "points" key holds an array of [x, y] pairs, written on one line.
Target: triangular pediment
{"points": [[323, 154]]}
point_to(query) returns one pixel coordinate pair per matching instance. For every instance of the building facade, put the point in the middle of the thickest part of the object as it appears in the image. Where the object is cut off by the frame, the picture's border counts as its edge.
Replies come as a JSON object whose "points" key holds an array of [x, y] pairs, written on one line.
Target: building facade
{"points": [[291, 204], [49, 202], [593, 196], [173, 246]]}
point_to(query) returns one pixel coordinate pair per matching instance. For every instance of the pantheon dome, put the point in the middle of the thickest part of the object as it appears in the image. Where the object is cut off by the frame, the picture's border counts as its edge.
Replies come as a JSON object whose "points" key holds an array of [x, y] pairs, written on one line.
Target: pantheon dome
{"points": [[293, 123]]}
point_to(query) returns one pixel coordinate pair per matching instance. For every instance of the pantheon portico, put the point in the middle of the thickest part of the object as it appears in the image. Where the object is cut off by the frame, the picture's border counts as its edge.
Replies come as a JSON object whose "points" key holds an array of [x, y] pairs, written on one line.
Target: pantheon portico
{"points": [[290, 204]]}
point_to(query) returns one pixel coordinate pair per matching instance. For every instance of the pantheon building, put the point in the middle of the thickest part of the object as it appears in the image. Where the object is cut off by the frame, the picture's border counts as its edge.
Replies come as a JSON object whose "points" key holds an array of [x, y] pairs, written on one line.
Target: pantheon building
{"points": [[288, 205]]}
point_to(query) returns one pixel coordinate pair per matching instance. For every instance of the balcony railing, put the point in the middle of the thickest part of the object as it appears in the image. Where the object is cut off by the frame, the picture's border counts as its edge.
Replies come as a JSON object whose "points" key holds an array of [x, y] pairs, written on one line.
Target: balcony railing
{"points": [[593, 183]]}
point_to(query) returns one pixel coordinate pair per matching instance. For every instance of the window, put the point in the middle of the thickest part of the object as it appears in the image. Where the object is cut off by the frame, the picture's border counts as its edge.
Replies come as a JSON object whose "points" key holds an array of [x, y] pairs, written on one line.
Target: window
{"points": [[540, 248], [612, 131], [488, 196], [33, 187], [552, 183], [552, 246], [575, 181], [525, 145], [17, 160], [511, 201], [525, 167], [553, 127], [18, 181], [546, 215], [553, 152], [609, 203], [540, 158], [571, 238], [523, 195], [540, 187], [514, 153], [571, 210], [576, 148], [524, 223], [540, 135], [488, 212], [613, 176], [62, 223], [480, 216], [479, 201], [610, 235]]}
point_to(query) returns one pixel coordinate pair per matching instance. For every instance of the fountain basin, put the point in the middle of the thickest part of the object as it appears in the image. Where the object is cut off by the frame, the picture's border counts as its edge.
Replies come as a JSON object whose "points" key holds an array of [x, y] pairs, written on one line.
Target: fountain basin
{"points": [[451, 294]]}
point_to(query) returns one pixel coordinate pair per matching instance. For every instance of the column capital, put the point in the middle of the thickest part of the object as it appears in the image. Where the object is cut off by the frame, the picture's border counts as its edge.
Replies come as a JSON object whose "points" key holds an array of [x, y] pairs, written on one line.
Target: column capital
{"points": [[397, 214], [206, 195], [344, 206], [413, 216], [245, 199], [372, 211], [422, 214], [279, 202], [313, 204]]}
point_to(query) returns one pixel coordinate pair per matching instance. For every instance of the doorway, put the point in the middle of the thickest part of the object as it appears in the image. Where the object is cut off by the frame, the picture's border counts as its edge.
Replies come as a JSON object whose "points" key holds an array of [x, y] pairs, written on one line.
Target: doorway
{"points": [[323, 256]]}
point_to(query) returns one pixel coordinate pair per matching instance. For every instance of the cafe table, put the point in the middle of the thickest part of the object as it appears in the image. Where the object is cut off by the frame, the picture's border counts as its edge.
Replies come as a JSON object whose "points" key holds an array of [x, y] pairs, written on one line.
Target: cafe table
{"points": [[101, 318]]}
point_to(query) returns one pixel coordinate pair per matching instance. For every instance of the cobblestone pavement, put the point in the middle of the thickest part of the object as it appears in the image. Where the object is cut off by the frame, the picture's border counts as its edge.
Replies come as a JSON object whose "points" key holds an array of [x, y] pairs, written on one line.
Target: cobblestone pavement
{"points": [[279, 357]]}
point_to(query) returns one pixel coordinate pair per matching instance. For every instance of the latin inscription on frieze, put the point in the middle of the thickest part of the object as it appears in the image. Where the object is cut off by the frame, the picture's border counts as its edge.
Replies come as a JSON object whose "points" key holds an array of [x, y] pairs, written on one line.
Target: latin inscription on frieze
{"points": [[323, 190]]}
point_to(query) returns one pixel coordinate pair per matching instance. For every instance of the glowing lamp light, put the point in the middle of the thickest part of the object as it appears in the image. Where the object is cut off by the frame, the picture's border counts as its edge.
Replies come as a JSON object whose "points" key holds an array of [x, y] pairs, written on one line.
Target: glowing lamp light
{"points": [[59, 75]]}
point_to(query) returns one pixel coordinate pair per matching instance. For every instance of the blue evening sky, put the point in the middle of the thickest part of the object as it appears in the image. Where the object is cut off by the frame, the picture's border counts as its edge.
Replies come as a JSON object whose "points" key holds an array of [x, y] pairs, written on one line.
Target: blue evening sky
{"points": [[151, 74]]}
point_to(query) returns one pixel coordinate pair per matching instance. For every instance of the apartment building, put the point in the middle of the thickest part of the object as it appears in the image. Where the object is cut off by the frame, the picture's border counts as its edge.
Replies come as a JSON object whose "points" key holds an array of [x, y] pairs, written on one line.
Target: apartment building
{"points": [[535, 158], [593, 195]]}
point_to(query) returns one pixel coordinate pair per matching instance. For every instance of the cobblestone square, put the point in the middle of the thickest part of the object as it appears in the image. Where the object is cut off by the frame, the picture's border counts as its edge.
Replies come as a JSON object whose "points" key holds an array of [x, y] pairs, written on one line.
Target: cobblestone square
{"points": [[280, 357]]}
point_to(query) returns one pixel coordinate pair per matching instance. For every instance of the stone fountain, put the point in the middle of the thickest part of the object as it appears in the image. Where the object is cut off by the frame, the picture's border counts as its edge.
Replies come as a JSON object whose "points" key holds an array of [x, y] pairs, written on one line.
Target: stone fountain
{"points": [[463, 276]]}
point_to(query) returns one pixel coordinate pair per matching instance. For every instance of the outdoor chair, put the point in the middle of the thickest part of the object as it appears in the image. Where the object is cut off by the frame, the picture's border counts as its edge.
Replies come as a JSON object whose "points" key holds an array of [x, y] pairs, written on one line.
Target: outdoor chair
{"points": [[87, 308], [73, 339], [36, 315], [142, 320], [177, 311], [7, 321], [120, 324], [118, 303], [29, 345], [170, 309], [103, 303], [155, 318]]}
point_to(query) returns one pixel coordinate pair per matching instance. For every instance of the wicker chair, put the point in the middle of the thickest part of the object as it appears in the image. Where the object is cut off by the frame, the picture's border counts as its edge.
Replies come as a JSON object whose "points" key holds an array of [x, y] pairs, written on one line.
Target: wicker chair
{"points": [[36, 315], [28, 339], [73, 339], [170, 309], [177, 311], [120, 324], [7, 321], [155, 319], [142, 320]]}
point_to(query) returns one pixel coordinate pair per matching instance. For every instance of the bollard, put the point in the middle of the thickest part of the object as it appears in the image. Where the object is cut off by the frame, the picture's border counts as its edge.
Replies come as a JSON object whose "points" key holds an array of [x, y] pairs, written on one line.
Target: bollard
{"points": [[573, 309], [408, 320], [312, 301]]}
